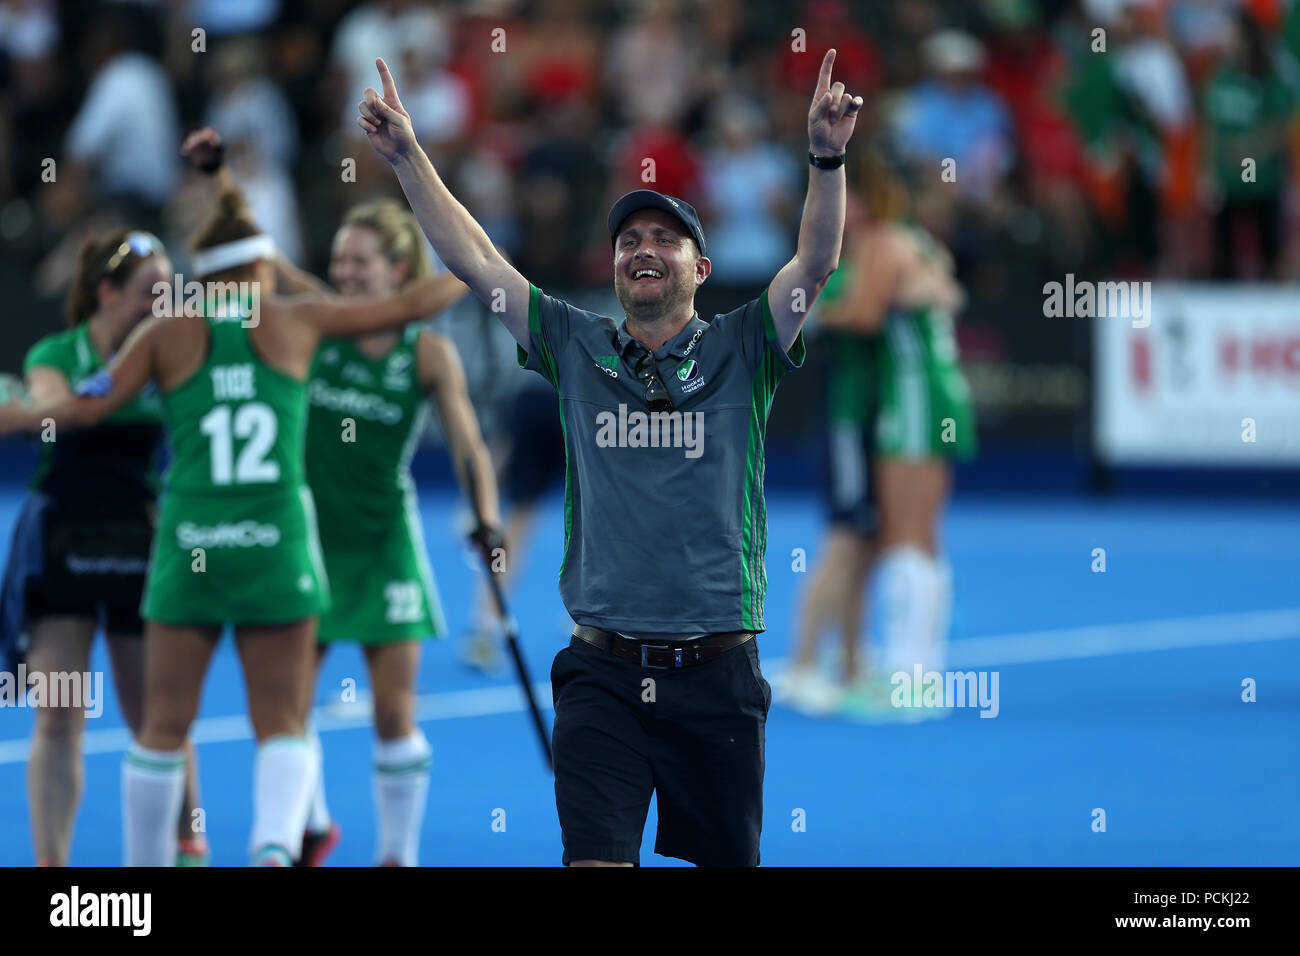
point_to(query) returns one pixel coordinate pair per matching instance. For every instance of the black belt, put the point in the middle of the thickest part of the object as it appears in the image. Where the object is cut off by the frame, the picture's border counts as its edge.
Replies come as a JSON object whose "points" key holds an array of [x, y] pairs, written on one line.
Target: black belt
{"points": [[684, 653]]}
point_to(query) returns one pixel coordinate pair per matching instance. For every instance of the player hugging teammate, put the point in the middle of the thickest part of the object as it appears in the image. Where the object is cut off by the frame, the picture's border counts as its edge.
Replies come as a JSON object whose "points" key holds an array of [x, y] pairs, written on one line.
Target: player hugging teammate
{"points": [[367, 405], [236, 541], [81, 542], [900, 415]]}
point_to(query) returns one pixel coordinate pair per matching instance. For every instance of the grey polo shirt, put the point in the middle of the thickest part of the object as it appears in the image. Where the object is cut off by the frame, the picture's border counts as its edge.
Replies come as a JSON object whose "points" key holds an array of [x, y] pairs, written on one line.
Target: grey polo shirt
{"points": [[664, 522]]}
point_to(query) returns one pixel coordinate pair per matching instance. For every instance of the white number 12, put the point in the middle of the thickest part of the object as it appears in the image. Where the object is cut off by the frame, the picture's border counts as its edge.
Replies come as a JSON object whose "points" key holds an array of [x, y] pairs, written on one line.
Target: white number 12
{"points": [[254, 421]]}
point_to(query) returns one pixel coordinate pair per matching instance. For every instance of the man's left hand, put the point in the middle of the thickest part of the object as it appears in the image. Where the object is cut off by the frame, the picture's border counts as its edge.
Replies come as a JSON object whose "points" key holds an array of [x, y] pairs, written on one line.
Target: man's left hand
{"points": [[832, 115]]}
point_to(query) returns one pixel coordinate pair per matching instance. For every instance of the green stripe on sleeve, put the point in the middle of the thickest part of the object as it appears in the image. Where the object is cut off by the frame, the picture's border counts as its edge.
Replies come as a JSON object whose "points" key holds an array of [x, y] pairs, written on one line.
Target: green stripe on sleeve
{"points": [[797, 351], [546, 363]]}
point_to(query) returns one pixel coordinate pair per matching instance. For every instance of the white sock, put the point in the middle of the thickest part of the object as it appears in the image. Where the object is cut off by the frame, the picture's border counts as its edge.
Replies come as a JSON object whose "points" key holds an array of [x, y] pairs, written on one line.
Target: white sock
{"points": [[283, 779], [943, 615], [318, 819], [153, 788], [401, 791], [909, 589]]}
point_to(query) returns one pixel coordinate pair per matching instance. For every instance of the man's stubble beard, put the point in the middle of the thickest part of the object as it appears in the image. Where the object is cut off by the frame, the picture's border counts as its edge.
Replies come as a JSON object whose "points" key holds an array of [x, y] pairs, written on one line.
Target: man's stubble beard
{"points": [[670, 304]]}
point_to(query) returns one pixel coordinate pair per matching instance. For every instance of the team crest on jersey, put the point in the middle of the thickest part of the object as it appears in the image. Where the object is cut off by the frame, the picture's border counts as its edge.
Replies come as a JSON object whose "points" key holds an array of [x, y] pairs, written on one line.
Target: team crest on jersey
{"points": [[357, 374], [686, 374], [397, 371]]}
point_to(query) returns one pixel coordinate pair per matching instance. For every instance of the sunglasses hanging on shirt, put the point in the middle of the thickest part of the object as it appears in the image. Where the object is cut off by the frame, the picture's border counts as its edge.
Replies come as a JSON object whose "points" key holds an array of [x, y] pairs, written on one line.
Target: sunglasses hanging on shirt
{"points": [[656, 392]]}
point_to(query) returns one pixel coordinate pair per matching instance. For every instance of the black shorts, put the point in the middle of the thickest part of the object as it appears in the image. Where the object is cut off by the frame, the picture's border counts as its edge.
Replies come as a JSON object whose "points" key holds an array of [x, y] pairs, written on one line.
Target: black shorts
{"points": [[536, 458], [114, 617], [94, 567], [695, 737], [850, 490]]}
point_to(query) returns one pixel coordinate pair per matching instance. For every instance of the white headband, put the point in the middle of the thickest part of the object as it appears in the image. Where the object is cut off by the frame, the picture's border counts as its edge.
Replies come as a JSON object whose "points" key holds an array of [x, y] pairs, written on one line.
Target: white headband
{"points": [[231, 254]]}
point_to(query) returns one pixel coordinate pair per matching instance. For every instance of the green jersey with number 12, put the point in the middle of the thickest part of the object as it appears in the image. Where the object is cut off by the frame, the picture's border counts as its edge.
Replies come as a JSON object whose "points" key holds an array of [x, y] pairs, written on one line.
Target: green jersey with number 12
{"points": [[237, 538]]}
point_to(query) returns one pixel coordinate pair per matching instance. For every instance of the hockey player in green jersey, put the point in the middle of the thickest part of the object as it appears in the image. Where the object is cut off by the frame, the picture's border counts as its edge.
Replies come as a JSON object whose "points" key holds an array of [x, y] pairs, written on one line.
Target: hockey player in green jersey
{"points": [[236, 541], [369, 397]]}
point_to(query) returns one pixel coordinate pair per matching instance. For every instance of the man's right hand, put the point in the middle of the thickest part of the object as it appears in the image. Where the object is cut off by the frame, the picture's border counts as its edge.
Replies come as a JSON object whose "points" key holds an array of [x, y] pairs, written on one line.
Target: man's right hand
{"points": [[386, 123]]}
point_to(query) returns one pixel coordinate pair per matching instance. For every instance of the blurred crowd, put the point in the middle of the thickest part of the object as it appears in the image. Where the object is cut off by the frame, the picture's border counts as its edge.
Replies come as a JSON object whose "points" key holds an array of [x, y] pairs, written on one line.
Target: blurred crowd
{"points": [[1128, 137]]}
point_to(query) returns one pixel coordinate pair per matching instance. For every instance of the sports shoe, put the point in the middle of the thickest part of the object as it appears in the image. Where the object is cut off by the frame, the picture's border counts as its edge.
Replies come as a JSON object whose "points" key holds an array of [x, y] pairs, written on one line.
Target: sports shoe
{"points": [[317, 846], [272, 856], [805, 690], [193, 852], [482, 652], [870, 701]]}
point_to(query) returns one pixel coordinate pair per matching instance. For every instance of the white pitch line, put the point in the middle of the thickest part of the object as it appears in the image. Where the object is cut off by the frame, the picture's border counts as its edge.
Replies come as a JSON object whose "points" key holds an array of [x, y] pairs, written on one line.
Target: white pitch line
{"points": [[1166, 634], [480, 702], [1173, 633]]}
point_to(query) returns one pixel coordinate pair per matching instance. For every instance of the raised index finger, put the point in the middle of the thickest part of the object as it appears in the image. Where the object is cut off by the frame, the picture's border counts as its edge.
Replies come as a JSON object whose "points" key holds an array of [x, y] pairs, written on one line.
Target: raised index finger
{"points": [[824, 78], [386, 78]]}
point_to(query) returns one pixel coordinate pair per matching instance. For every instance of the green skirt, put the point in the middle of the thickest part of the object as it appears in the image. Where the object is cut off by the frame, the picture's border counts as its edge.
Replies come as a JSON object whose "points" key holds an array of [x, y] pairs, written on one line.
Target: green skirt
{"points": [[383, 586], [925, 408], [242, 559]]}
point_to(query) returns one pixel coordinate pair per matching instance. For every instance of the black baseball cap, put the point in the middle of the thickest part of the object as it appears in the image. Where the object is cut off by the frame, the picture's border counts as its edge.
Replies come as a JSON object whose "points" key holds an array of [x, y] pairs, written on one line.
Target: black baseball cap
{"points": [[681, 210]]}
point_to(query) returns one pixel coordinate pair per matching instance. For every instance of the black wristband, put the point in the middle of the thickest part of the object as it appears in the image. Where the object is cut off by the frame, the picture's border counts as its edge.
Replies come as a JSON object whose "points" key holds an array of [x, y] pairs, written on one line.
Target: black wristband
{"points": [[213, 164], [827, 162]]}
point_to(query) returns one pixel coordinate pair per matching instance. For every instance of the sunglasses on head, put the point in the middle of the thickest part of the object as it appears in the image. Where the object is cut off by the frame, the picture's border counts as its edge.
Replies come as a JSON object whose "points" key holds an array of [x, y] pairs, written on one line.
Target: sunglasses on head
{"points": [[656, 392], [142, 244]]}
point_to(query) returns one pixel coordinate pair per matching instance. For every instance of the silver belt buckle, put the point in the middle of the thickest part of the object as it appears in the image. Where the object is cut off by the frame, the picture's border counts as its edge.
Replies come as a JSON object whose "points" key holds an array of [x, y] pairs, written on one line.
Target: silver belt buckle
{"points": [[677, 657]]}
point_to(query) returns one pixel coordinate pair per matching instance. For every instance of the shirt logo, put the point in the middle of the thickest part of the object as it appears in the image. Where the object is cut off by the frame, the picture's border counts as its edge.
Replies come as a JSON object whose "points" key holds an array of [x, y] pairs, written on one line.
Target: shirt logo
{"points": [[397, 373], [608, 364], [357, 374], [352, 402], [244, 534], [694, 338], [686, 375]]}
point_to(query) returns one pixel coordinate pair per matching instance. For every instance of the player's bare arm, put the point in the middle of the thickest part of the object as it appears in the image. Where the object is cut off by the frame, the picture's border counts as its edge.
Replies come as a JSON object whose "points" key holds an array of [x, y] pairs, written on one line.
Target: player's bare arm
{"points": [[294, 281], [334, 316], [459, 241], [879, 262], [831, 119], [47, 386], [204, 150], [113, 388], [443, 378], [930, 285]]}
